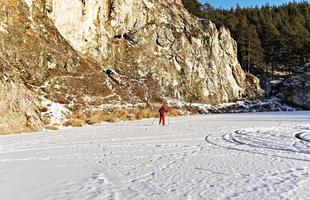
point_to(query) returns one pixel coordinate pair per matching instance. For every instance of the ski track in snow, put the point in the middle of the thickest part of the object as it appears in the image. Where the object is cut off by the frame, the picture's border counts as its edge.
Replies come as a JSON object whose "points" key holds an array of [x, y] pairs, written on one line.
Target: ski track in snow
{"points": [[229, 156]]}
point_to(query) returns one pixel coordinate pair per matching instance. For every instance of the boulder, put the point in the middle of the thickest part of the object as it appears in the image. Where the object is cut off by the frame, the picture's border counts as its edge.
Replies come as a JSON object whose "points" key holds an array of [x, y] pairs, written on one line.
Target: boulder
{"points": [[296, 90]]}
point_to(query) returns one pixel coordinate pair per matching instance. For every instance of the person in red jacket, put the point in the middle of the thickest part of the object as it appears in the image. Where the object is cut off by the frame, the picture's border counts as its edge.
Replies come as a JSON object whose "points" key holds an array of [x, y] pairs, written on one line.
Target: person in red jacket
{"points": [[162, 113]]}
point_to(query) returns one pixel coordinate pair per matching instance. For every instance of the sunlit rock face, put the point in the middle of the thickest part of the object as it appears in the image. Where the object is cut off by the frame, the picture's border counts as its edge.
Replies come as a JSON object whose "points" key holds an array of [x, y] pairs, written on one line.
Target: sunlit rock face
{"points": [[189, 59], [19, 107], [62, 50], [45, 61]]}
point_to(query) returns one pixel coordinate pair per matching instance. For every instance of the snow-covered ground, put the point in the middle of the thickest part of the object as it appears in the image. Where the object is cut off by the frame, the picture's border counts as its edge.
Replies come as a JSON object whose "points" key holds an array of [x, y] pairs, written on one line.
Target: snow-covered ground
{"points": [[227, 156]]}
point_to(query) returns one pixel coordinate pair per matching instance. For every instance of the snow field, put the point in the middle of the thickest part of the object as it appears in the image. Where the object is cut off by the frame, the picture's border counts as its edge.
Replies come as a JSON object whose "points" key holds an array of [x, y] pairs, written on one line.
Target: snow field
{"points": [[228, 156]]}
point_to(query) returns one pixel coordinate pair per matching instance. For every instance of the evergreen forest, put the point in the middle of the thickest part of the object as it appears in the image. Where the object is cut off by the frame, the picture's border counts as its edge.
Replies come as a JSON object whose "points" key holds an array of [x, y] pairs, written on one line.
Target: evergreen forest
{"points": [[273, 41]]}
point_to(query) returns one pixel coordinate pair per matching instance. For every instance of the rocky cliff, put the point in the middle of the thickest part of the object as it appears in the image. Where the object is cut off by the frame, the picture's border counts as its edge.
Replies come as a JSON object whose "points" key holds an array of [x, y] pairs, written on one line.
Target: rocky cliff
{"points": [[88, 53], [296, 89], [190, 60], [19, 107]]}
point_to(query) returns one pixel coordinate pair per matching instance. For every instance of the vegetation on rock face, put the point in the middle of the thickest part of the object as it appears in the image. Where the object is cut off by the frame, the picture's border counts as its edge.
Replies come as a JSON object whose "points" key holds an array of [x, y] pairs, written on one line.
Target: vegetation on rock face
{"points": [[157, 51], [19, 107], [269, 38]]}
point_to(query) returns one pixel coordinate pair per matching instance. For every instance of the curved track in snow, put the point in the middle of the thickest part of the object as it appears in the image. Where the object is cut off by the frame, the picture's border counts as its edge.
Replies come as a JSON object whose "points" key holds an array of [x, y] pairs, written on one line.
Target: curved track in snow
{"points": [[303, 136], [287, 142]]}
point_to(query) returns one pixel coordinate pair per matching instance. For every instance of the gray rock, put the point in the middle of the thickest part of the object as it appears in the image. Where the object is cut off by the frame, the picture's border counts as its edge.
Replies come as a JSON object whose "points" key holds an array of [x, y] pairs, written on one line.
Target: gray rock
{"points": [[296, 90]]}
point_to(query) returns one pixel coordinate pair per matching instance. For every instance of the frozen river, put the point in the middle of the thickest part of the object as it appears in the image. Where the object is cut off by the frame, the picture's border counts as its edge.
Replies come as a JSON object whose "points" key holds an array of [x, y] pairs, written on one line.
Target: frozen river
{"points": [[227, 156]]}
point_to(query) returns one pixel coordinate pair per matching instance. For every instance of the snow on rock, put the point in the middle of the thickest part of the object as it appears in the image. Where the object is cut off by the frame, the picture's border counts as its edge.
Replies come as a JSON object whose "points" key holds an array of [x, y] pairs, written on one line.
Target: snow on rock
{"points": [[275, 82], [296, 89], [227, 156], [29, 3], [55, 111], [263, 105], [161, 39], [43, 63], [180, 56]]}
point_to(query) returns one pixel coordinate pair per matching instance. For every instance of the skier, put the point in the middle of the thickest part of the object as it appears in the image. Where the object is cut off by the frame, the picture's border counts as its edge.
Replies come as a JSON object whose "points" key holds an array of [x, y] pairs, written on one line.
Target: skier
{"points": [[162, 113]]}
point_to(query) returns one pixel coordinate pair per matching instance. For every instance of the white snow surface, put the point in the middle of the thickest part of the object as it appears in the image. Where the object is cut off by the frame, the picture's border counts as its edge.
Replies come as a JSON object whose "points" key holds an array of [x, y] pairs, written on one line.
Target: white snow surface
{"points": [[226, 156]]}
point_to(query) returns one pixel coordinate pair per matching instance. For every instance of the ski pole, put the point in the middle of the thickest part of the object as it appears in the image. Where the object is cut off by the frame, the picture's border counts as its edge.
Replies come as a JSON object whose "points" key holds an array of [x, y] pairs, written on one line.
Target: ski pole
{"points": [[154, 121]]}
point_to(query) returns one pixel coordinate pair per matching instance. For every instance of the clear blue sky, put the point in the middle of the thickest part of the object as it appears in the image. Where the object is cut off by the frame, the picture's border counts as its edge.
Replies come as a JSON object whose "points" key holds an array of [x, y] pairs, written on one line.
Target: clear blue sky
{"points": [[245, 3]]}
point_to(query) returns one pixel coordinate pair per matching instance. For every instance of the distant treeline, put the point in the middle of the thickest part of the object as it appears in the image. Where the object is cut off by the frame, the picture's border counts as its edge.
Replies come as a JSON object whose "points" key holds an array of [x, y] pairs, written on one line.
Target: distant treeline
{"points": [[269, 38]]}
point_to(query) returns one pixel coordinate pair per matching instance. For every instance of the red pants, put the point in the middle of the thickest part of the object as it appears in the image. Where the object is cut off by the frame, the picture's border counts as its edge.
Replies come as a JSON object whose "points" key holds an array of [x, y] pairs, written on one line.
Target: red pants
{"points": [[162, 119]]}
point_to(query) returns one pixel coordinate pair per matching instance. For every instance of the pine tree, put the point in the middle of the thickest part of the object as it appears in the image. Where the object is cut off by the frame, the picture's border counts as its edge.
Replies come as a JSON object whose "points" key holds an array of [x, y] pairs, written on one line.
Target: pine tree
{"points": [[193, 6], [250, 50], [271, 41], [277, 37]]}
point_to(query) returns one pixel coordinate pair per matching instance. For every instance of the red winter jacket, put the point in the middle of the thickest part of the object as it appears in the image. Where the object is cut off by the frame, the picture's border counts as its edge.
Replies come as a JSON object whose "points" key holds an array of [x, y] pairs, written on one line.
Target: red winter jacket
{"points": [[163, 110]]}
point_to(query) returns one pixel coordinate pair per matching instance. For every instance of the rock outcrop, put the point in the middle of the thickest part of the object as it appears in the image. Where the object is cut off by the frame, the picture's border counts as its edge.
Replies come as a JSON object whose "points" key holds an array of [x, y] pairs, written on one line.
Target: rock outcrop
{"points": [[296, 90], [43, 58], [19, 107], [88, 53], [189, 59]]}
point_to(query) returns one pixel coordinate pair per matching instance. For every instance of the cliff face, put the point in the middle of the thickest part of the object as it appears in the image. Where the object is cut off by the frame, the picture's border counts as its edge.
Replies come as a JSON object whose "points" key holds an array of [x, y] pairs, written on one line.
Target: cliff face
{"points": [[19, 107], [46, 62], [37, 63], [189, 59], [296, 89], [150, 50]]}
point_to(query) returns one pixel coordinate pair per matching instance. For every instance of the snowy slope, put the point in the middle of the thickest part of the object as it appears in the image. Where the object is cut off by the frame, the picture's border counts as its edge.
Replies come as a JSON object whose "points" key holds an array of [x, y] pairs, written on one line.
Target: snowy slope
{"points": [[228, 156]]}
